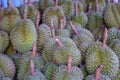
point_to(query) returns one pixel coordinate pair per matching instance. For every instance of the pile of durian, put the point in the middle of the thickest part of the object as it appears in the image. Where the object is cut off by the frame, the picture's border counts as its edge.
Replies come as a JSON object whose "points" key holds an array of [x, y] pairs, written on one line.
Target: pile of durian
{"points": [[60, 40]]}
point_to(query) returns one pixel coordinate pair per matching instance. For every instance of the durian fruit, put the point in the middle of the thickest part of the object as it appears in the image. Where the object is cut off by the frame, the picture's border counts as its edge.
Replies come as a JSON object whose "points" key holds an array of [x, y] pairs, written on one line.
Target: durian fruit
{"points": [[79, 17], [97, 75], [115, 46], [33, 74], [68, 72], [7, 66], [84, 71], [43, 4], [24, 34], [2, 76], [4, 40], [113, 33], [9, 17], [97, 54], [54, 13], [117, 76], [49, 70], [68, 7], [94, 19], [111, 15], [62, 31], [25, 59], [31, 11]]}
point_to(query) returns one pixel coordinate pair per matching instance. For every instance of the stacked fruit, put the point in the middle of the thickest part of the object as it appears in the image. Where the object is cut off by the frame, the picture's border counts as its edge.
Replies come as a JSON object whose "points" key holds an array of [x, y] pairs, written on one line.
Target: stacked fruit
{"points": [[60, 40]]}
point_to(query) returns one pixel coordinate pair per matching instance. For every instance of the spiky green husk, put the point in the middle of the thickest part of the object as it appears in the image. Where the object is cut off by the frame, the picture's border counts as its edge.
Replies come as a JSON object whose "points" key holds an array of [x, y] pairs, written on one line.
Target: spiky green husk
{"points": [[9, 49], [4, 41], [55, 14], [23, 35], [94, 21], [62, 73], [2, 76], [31, 12], [117, 76], [43, 4], [113, 33], [49, 70], [24, 64], [63, 33], [36, 76], [81, 18], [111, 15], [9, 18], [7, 66], [43, 33], [68, 8], [102, 77], [84, 71], [97, 55]]}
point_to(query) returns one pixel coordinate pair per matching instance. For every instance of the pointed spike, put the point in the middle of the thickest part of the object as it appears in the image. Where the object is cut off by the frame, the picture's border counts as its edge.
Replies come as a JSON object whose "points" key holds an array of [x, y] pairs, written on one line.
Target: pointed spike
{"points": [[97, 72], [105, 36], [58, 42], [32, 67], [69, 66], [52, 28], [73, 28], [37, 18]]}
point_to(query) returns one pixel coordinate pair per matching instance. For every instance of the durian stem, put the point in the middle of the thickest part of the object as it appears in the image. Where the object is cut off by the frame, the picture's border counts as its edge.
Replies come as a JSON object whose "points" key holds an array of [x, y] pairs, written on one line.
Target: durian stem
{"points": [[108, 1], [8, 4], [32, 67], [25, 11], [96, 7], [73, 28], [15, 52], [105, 36], [97, 72], [29, 1], [37, 19], [76, 8], [59, 43], [56, 3], [69, 66], [52, 28], [61, 23], [34, 49], [89, 8]]}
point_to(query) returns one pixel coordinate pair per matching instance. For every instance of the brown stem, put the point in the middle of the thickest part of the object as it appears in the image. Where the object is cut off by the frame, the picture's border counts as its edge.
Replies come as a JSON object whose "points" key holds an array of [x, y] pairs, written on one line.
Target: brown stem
{"points": [[52, 28], [32, 67], [105, 36], [61, 23], [29, 1], [73, 28], [15, 52], [34, 49], [58, 42], [69, 66], [25, 11], [113, 1], [97, 72], [37, 18], [96, 7], [76, 8], [56, 3], [89, 8]]}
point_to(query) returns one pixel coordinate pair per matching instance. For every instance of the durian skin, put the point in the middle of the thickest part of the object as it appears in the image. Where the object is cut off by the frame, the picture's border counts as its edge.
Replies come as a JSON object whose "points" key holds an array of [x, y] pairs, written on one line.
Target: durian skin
{"points": [[23, 35], [31, 12], [37, 76], [43, 33], [49, 70], [2, 76], [4, 40], [111, 15], [8, 19], [55, 14], [7, 66], [62, 74], [97, 55], [117, 76], [25, 62], [102, 77]]}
